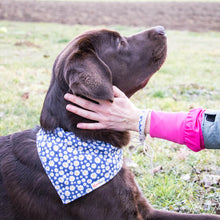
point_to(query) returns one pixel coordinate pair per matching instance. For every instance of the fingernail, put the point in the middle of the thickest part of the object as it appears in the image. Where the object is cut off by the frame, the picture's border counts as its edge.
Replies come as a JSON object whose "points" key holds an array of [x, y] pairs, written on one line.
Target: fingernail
{"points": [[66, 96], [68, 107]]}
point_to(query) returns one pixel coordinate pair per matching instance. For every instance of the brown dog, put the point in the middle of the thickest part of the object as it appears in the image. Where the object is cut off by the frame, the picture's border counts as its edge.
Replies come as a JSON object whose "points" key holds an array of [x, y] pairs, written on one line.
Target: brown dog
{"points": [[88, 66]]}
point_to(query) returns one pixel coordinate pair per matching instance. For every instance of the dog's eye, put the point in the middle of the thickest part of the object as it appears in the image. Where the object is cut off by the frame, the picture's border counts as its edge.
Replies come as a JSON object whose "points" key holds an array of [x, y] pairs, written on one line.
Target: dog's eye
{"points": [[121, 43]]}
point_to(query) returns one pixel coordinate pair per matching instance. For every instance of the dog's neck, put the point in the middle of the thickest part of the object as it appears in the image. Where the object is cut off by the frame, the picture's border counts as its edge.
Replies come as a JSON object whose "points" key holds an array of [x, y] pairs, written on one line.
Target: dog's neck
{"points": [[54, 114]]}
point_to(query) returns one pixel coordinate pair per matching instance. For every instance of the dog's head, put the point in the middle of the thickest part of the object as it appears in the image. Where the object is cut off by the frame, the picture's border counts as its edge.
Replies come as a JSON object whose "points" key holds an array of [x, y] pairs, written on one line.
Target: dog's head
{"points": [[93, 62]]}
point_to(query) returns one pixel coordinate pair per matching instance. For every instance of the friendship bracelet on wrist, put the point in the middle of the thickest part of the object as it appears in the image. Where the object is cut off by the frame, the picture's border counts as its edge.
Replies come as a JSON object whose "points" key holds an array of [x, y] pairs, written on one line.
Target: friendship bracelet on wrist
{"points": [[142, 123]]}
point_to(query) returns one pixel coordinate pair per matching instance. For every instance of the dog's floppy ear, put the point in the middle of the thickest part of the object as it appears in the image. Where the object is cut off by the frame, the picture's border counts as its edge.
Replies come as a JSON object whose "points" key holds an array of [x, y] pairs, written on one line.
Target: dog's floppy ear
{"points": [[87, 75]]}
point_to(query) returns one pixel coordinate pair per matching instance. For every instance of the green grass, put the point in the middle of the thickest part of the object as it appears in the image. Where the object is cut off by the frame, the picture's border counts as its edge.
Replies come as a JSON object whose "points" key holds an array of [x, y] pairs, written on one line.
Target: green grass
{"points": [[189, 78]]}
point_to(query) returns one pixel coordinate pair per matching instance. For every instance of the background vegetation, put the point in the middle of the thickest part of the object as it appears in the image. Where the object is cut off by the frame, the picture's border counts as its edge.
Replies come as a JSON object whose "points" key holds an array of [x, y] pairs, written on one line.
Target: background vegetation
{"points": [[183, 181]]}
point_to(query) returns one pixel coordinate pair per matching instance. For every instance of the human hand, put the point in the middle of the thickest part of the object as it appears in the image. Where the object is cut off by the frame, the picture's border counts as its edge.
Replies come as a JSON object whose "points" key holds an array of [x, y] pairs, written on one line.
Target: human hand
{"points": [[120, 115]]}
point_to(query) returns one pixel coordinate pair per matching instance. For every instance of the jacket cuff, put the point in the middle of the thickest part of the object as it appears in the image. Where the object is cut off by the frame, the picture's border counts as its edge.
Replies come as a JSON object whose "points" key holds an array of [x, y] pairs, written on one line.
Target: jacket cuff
{"points": [[179, 127], [193, 132]]}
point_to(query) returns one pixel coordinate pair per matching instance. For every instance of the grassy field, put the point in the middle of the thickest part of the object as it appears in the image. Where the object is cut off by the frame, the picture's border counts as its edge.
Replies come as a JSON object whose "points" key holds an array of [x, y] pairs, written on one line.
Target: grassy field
{"points": [[190, 78]]}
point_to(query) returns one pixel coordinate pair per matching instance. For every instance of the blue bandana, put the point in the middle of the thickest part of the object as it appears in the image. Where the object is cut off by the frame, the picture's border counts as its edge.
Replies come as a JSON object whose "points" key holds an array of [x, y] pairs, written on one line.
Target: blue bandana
{"points": [[76, 167]]}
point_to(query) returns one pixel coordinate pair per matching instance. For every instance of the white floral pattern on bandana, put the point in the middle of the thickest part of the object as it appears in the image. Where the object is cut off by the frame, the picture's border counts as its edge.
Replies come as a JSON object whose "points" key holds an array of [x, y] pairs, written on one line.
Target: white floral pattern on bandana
{"points": [[76, 167]]}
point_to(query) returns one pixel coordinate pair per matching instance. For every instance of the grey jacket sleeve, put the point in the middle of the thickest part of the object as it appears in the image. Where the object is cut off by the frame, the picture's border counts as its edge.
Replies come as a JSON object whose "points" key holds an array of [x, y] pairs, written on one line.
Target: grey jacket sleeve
{"points": [[211, 129]]}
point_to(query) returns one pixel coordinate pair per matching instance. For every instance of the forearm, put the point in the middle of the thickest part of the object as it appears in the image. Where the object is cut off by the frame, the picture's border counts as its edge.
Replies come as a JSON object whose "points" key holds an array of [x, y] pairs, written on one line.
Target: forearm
{"points": [[181, 127], [194, 129], [197, 129]]}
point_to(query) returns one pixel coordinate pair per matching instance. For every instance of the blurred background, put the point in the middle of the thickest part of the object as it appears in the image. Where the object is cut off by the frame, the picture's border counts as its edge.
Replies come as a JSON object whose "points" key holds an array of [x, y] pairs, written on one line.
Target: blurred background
{"points": [[178, 15]]}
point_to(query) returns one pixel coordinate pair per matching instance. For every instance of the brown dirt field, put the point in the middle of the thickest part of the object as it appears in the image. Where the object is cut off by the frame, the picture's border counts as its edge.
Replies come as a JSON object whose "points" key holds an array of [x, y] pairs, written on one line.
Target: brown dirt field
{"points": [[193, 16]]}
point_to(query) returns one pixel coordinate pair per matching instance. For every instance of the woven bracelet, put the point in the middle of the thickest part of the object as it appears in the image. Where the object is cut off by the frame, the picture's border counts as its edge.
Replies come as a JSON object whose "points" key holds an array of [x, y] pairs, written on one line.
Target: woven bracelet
{"points": [[142, 124]]}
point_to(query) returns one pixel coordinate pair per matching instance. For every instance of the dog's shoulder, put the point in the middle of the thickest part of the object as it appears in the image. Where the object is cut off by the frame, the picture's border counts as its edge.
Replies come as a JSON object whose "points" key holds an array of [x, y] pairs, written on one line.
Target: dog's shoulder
{"points": [[20, 147]]}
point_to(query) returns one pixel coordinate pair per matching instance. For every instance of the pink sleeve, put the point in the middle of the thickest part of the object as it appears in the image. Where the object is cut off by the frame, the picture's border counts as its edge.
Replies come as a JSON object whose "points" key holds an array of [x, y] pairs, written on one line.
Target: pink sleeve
{"points": [[179, 127]]}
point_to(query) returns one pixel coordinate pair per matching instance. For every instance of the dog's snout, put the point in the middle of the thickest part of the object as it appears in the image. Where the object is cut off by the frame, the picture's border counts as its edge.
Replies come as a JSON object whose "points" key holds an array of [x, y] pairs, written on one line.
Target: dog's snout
{"points": [[160, 30], [156, 32]]}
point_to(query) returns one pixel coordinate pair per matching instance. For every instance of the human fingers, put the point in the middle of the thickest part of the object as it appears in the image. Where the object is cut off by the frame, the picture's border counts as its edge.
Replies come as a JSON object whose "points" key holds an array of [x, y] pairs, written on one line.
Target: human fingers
{"points": [[81, 102], [83, 112], [91, 126]]}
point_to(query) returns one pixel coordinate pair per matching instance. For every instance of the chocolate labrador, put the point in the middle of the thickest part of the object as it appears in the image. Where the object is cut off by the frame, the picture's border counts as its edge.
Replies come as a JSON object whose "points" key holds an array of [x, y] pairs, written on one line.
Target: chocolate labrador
{"points": [[31, 189]]}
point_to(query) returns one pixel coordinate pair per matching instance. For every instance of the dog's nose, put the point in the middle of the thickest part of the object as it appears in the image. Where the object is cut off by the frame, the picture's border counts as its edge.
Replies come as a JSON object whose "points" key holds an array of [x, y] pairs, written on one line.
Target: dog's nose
{"points": [[160, 30], [156, 33]]}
